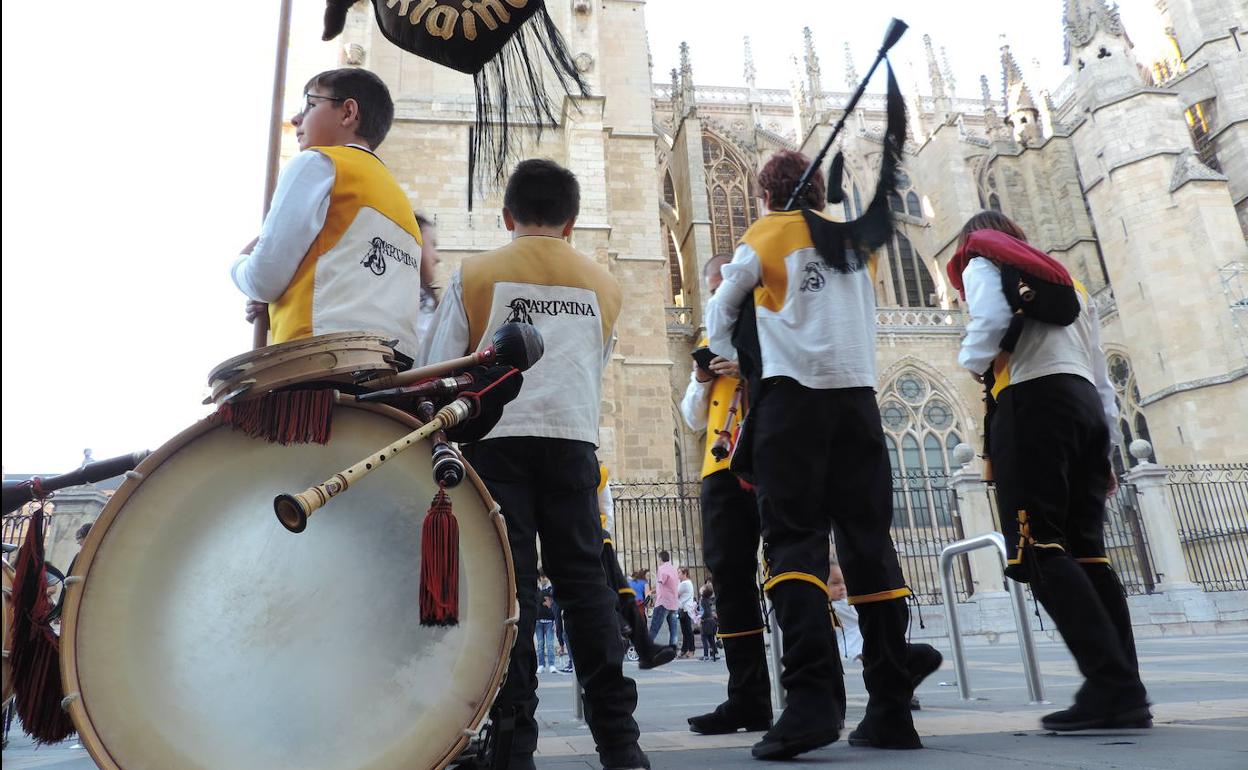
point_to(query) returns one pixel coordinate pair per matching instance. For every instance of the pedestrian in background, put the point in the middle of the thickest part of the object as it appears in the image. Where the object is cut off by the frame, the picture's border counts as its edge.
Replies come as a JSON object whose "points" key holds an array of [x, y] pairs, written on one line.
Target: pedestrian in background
{"points": [[665, 603], [686, 597]]}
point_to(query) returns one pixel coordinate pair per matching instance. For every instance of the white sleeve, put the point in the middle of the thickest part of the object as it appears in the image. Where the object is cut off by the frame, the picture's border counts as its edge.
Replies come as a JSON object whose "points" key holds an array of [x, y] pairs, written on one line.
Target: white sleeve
{"points": [[606, 506], [990, 316], [693, 407], [1100, 373], [296, 216], [740, 275], [448, 330]]}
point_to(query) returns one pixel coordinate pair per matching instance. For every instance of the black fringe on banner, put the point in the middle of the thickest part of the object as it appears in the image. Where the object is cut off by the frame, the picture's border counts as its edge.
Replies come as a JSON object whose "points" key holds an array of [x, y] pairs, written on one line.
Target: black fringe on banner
{"points": [[512, 95], [844, 246]]}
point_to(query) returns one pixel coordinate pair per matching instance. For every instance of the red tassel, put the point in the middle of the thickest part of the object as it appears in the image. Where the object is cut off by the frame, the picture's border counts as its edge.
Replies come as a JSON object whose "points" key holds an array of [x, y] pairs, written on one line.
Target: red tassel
{"points": [[283, 417], [439, 564], [36, 654]]}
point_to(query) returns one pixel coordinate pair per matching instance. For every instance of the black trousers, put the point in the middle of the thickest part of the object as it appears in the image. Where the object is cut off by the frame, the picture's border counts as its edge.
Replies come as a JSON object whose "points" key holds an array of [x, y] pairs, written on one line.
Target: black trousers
{"points": [[730, 536], [822, 467], [547, 488], [1050, 456]]}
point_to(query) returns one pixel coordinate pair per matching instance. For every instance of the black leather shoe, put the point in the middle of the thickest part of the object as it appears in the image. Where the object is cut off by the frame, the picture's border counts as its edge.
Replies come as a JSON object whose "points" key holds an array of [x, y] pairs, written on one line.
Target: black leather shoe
{"points": [[780, 746], [629, 757], [723, 721], [1081, 718], [867, 735], [661, 655]]}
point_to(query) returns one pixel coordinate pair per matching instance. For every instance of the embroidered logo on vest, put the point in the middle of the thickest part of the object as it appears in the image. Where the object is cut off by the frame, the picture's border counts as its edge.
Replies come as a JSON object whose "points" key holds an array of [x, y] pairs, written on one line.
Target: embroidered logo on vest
{"points": [[522, 309], [379, 249]]}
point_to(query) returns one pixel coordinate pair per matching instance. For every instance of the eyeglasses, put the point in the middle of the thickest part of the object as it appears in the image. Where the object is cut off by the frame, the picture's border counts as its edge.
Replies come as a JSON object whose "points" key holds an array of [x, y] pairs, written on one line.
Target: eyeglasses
{"points": [[308, 104]]}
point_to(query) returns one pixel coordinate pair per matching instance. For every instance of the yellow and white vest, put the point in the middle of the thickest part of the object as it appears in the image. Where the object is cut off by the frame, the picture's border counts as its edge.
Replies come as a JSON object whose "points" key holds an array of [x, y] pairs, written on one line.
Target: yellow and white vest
{"points": [[362, 272]]}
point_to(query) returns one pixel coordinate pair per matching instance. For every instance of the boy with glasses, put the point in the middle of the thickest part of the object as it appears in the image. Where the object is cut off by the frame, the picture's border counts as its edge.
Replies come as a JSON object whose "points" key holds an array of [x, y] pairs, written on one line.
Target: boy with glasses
{"points": [[340, 247]]}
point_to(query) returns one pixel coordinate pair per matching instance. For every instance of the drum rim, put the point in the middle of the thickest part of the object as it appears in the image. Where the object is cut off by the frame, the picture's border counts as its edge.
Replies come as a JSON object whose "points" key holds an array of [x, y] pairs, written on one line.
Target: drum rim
{"points": [[282, 348], [73, 703]]}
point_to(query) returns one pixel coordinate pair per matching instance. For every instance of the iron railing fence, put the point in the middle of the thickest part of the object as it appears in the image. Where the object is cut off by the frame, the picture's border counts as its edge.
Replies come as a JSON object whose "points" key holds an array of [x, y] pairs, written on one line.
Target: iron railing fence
{"points": [[653, 516], [1210, 503], [925, 520], [1126, 542], [666, 515]]}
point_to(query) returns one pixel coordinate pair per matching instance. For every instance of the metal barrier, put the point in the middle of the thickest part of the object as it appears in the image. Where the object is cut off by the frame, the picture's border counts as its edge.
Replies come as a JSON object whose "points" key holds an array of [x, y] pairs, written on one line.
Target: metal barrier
{"points": [[1026, 644]]}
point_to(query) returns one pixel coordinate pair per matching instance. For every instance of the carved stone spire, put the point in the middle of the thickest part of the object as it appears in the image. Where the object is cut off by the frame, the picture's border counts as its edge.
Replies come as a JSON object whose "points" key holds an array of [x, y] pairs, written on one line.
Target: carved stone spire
{"points": [[687, 97], [677, 108], [851, 72], [801, 100], [934, 74], [814, 79], [749, 63], [940, 96], [992, 121], [947, 71], [1084, 19], [1020, 108]]}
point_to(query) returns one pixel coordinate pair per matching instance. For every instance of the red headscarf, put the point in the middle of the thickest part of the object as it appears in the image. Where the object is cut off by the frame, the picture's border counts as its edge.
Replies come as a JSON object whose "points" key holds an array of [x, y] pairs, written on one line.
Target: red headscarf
{"points": [[1004, 248]]}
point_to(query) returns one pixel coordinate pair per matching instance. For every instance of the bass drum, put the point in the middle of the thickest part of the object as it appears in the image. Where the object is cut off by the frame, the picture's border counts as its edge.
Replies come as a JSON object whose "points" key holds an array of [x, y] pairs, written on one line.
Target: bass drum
{"points": [[8, 629], [198, 633]]}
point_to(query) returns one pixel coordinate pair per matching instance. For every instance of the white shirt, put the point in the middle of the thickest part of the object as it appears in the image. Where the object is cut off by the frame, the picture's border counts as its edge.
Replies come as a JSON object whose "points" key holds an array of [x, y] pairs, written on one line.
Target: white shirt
{"points": [[823, 335], [1042, 349], [606, 506], [684, 597], [296, 216], [694, 406]]}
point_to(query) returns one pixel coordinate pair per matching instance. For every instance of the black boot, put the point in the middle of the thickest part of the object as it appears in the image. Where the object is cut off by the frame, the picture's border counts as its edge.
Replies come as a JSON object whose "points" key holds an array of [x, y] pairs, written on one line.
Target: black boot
{"points": [[1109, 589], [922, 660], [886, 672], [810, 720], [749, 691], [1112, 695], [649, 655]]}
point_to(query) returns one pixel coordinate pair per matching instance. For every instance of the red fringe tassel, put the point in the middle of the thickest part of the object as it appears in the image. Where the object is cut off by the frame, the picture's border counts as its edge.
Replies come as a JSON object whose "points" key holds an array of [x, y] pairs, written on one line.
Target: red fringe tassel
{"points": [[283, 417], [439, 564], [36, 654]]}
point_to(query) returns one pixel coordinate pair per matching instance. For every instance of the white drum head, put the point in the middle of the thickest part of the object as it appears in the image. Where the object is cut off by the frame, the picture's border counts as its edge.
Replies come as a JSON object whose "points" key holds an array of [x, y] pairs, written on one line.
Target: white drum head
{"points": [[205, 635]]}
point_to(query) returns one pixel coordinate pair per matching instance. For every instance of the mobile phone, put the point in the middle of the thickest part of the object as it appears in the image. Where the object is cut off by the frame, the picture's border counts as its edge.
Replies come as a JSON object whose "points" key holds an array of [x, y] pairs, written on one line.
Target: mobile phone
{"points": [[702, 357]]}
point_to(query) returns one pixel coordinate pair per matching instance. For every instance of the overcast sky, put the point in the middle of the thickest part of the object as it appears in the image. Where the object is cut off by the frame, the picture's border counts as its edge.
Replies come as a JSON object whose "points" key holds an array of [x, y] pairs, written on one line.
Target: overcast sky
{"points": [[133, 164]]}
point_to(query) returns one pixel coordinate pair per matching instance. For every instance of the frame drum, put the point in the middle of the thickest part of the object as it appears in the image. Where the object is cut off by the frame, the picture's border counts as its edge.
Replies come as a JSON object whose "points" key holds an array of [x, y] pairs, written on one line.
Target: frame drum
{"points": [[204, 635], [8, 629]]}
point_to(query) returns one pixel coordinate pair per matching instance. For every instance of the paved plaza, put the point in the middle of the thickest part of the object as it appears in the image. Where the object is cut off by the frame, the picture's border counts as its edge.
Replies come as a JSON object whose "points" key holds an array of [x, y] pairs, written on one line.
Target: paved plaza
{"points": [[1199, 686]]}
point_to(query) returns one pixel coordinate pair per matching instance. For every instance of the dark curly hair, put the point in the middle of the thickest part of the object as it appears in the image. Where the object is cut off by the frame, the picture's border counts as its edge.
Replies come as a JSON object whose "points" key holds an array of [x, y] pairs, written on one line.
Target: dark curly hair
{"points": [[780, 176]]}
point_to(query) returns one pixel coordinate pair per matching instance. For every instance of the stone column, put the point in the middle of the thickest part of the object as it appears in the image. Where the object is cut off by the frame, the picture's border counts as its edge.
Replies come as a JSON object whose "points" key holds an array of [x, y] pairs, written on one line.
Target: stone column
{"points": [[976, 515], [1187, 599], [74, 506], [1160, 525]]}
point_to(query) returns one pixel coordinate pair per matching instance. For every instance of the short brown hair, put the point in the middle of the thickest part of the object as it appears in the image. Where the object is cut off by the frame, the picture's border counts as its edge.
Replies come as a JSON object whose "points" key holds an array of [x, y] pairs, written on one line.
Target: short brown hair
{"points": [[990, 220], [780, 176], [368, 91]]}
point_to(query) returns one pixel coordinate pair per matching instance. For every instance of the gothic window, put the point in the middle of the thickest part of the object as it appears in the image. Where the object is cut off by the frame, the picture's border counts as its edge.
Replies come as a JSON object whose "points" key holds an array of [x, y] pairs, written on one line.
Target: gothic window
{"points": [[912, 282], [1130, 416], [912, 205], [669, 191], [894, 202], [921, 429], [994, 203], [857, 203], [729, 186], [1201, 119], [673, 261]]}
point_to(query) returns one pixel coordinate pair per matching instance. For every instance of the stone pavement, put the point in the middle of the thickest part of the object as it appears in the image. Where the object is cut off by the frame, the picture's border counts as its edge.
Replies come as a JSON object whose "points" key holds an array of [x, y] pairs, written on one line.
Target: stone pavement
{"points": [[1199, 686]]}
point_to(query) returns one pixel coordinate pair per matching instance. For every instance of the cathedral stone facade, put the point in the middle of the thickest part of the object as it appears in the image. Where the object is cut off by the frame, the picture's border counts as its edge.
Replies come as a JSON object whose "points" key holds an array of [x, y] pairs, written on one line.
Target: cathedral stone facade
{"points": [[1134, 174]]}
